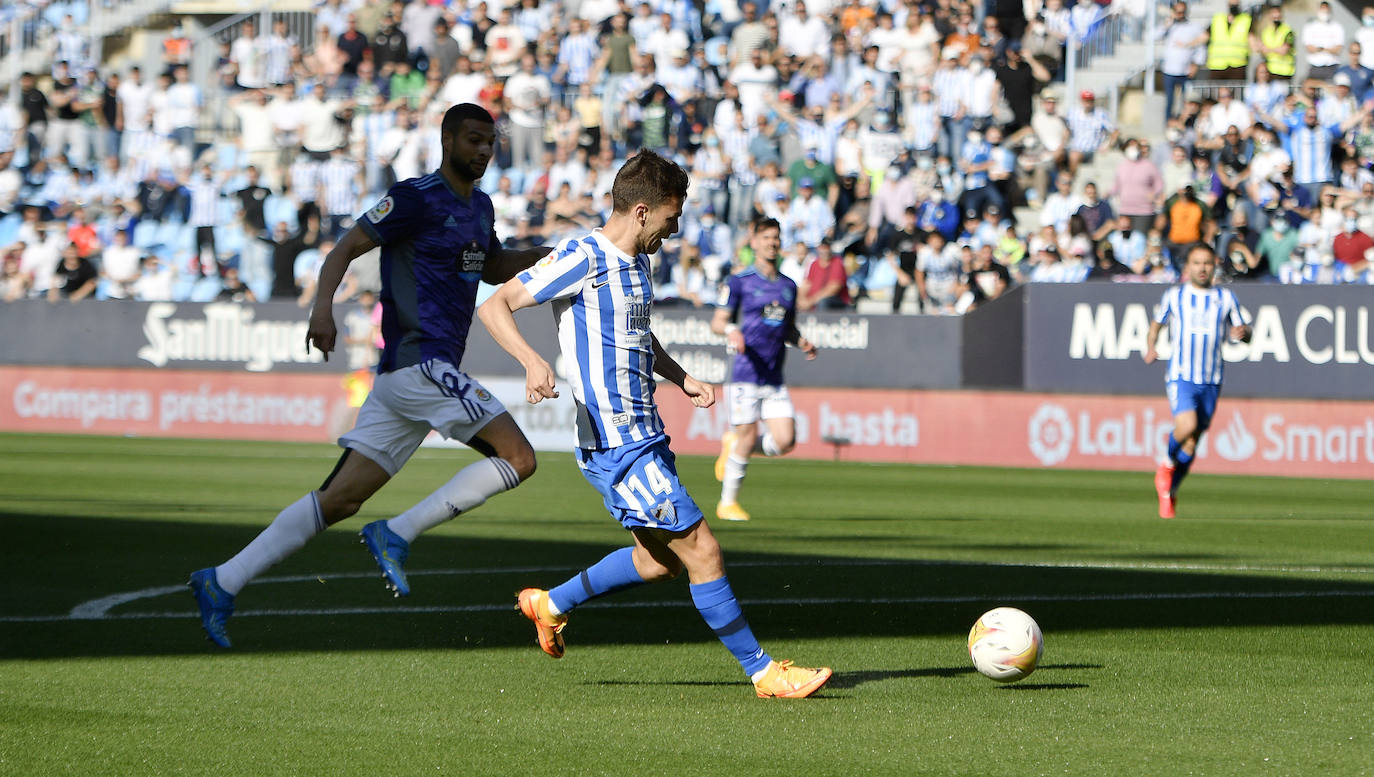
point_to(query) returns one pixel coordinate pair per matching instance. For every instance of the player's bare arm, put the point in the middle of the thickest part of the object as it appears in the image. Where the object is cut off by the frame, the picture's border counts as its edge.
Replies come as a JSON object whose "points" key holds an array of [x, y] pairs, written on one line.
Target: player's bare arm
{"points": [[322, 332], [701, 394], [721, 325], [1150, 339], [1241, 333], [498, 315], [504, 264]]}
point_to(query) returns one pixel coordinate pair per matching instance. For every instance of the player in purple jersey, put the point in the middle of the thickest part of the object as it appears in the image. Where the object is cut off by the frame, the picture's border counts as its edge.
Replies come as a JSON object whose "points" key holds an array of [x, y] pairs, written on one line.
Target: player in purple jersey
{"points": [[437, 243], [757, 313]]}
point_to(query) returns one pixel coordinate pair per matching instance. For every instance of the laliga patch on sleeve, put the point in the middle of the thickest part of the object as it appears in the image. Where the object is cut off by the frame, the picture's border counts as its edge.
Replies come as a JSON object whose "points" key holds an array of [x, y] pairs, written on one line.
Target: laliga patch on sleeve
{"points": [[547, 260], [381, 210]]}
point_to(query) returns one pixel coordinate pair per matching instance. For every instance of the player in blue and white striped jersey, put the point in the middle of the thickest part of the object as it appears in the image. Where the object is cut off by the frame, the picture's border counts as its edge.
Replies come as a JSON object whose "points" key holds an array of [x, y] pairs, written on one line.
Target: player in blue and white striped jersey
{"points": [[600, 288], [1201, 317]]}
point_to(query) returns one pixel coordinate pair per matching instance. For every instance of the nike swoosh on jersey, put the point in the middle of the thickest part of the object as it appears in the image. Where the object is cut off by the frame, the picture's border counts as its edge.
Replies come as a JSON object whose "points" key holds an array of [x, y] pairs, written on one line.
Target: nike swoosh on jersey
{"points": [[596, 285]]}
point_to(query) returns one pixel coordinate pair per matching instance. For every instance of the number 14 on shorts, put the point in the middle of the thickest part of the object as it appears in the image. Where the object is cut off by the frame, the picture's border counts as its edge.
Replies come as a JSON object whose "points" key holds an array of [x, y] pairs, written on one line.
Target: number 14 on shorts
{"points": [[634, 492]]}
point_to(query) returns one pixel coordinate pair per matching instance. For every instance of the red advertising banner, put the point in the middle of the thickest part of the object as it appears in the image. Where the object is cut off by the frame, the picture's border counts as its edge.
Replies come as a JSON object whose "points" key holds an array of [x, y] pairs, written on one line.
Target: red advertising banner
{"points": [[1302, 438], [1308, 438], [167, 403]]}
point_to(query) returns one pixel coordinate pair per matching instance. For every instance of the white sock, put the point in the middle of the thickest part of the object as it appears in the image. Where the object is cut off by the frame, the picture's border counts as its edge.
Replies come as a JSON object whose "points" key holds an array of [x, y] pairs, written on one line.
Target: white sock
{"points": [[290, 530], [734, 476], [766, 445], [472, 486]]}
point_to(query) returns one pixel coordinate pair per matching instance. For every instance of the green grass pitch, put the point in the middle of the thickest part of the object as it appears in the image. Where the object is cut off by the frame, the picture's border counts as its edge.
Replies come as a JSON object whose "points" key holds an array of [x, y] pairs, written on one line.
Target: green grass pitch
{"points": [[1236, 640]]}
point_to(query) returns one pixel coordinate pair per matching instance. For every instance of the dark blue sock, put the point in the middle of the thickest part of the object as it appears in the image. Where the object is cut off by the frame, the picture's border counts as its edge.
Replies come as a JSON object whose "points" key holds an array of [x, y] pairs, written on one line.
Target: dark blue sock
{"points": [[1174, 447], [1182, 464], [717, 605], [615, 572]]}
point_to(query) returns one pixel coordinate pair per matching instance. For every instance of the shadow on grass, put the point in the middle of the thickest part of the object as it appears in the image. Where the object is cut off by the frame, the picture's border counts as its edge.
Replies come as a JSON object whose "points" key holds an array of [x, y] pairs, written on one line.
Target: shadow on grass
{"points": [[464, 587]]}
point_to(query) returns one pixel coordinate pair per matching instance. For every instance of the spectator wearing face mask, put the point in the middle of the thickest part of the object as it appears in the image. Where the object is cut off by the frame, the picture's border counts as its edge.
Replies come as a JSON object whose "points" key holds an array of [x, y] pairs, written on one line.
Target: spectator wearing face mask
{"points": [[1324, 40], [1277, 246], [1137, 185], [938, 215], [1350, 245]]}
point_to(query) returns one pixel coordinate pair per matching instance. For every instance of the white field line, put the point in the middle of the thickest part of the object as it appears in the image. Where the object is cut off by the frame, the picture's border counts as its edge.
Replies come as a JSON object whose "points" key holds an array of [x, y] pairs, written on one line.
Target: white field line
{"points": [[99, 609]]}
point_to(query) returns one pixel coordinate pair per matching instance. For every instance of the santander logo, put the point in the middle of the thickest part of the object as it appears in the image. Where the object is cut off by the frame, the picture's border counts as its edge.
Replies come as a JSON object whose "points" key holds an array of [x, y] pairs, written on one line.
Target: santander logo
{"points": [[1234, 442]]}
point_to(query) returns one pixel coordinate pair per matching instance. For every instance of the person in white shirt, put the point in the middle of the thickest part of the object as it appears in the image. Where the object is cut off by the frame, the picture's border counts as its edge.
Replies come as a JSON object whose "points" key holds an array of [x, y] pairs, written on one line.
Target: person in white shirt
{"points": [[1324, 40], [183, 107], [463, 85], [320, 130], [119, 268], [803, 35], [1228, 112], [1060, 205], [809, 216], [526, 96], [506, 45], [257, 137], [665, 40], [755, 79], [1365, 37], [155, 282], [247, 55]]}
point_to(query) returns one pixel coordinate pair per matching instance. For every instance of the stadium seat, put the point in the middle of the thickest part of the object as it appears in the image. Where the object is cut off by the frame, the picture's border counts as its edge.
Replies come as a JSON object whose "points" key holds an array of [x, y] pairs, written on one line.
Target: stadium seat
{"points": [[205, 289], [145, 234], [9, 228], [278, 208], [880, 276]]}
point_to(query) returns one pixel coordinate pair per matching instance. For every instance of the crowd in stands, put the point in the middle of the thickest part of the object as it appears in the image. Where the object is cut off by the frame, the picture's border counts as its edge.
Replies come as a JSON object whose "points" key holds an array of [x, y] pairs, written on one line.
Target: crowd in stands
{"points": [[911, 150]]}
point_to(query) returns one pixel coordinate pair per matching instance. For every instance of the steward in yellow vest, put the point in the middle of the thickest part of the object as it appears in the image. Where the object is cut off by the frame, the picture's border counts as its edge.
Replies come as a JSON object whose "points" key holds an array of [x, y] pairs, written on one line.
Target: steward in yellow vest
{"points": [[1228, 45], [1275, 43]]}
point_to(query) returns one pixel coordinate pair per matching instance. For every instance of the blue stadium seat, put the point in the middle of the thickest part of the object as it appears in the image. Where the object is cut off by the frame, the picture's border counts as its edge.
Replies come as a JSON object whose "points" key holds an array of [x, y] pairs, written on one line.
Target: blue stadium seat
{"points": [[9, 228], [205, 289], [278, 208], [880, 275], [145, 234]]}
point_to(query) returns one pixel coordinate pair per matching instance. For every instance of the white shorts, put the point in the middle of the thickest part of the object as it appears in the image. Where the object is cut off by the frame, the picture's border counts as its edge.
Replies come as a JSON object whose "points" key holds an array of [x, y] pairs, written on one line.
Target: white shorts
{"points": [[749, 402], [406, 403]]}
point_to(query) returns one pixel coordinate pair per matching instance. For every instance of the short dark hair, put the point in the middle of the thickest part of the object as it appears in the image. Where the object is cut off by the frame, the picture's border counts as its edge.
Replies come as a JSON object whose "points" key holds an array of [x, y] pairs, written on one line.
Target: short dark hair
{"points": [[766, 222], [648, 178], [455, 116]]}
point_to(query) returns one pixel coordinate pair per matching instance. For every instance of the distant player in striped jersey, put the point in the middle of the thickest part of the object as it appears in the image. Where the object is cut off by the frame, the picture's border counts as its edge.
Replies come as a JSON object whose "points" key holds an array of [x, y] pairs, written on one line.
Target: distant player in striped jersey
{"points": [[757, 314], [437, 243], [601, 295], [1200, 318]]}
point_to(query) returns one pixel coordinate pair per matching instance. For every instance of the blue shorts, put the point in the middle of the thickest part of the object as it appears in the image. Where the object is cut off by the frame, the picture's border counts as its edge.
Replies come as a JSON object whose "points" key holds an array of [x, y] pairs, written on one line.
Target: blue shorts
{"points": [[639, 486], [1198, 397]]}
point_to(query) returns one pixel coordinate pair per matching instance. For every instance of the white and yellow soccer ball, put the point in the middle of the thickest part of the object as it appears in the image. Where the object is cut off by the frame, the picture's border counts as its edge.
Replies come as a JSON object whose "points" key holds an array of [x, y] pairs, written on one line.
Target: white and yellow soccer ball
{"points": [[1005, 644]]}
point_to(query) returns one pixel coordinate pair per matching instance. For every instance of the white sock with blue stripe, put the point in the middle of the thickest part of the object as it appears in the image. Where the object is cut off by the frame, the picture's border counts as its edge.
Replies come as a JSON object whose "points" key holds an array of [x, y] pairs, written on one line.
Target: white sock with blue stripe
{"points": [[288, 532], [473, 485]]}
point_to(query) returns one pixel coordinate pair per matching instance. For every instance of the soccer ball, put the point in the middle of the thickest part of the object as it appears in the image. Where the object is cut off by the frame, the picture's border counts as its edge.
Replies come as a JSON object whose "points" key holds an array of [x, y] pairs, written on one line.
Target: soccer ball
{"points": [[1005, 644]]}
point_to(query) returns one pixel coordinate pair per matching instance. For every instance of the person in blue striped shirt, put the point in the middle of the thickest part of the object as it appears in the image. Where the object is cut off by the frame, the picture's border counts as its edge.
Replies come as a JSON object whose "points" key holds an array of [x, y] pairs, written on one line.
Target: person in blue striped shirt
{"points": [[1200, 317], [600, 290], [437, 243]]}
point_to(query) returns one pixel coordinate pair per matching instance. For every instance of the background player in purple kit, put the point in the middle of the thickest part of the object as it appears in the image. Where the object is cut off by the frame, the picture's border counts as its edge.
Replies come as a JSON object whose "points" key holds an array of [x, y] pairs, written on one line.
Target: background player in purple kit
{"points": [[757, 314], [437, 244]]}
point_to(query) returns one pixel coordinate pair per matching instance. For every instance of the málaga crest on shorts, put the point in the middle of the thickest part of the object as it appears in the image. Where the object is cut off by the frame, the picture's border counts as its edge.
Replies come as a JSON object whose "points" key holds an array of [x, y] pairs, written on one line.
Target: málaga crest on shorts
{"points": [[381, 210]]}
